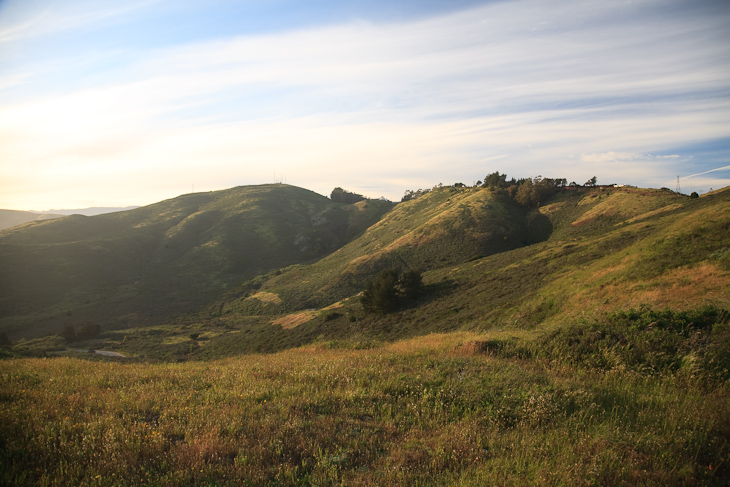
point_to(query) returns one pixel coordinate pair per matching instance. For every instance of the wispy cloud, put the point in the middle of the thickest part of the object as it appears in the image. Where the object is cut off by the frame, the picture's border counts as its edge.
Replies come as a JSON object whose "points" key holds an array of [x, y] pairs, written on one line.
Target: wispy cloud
{"points": [[724, 168], [59, 17], [590, 88]]}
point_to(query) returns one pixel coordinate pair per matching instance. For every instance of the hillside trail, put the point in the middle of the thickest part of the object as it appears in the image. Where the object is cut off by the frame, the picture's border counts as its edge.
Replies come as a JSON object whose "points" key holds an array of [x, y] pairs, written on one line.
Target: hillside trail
{"points": [[105, 353]]}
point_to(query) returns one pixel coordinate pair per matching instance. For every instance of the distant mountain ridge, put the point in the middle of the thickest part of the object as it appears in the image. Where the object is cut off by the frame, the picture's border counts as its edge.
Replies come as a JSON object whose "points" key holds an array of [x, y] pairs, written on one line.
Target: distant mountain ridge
{"points": [[92, 211], [12, 218]]}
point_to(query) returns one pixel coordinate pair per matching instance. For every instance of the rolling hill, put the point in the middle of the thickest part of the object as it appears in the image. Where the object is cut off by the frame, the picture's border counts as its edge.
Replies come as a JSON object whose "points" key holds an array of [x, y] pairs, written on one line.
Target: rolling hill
{"points": [[148, 264], [584, 341], [263, 268], [12, 218], [593, 251]]}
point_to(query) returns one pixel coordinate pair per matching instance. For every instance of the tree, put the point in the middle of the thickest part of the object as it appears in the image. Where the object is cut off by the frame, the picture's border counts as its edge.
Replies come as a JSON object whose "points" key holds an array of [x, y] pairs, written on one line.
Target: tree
{"points": [[495, 180], [69, 333], [412, 195], [88, 331], [410, 284], [527, 194], [388, 290], [591, 182], [694, 195], [381, 294], [340, 195]]}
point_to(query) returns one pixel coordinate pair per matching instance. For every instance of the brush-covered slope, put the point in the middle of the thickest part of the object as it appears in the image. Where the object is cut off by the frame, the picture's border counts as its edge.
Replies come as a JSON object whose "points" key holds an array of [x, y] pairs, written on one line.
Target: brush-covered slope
{"points": [[445, 227], [12, 218], [153, 262], [609, 249]]}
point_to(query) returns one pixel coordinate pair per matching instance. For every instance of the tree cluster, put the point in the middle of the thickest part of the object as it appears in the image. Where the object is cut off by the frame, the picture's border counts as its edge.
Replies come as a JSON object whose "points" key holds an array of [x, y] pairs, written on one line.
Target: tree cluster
{"points": [[85, 332], [529, 192], [340, 195], [535, 191], [389, 290], [412, 195]]}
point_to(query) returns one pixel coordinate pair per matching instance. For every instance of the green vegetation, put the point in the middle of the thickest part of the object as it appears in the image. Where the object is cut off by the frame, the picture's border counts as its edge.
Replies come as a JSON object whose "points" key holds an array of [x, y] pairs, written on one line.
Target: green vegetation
{"points": [[147, 265], [340, 195], [578, 337], [437, 410], [389, 290]]}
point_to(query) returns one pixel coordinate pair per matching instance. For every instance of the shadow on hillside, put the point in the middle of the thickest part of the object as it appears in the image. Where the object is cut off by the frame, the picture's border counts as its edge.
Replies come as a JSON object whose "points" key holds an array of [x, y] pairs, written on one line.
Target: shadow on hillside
{"points": [[436, 290], [539, 227]]}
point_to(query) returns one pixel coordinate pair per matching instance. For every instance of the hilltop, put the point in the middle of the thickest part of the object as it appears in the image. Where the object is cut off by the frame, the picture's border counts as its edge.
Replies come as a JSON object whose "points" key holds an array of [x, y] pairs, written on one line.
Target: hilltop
{"points": [[148, 264], [584, 253], [269, 267]]}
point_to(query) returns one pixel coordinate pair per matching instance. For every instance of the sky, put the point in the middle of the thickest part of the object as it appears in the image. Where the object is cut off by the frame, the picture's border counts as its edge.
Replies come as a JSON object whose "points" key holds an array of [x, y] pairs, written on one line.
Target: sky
{"points": [[130, 103]]}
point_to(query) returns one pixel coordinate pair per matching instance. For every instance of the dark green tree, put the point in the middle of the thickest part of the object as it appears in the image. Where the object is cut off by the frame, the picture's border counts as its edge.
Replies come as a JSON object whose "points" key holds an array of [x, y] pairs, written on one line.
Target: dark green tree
{"points": [[381, 295], [410, 284], [88, 331], [591, 182], [495, 180], [340, 195], [526, 194], [69, 333]]}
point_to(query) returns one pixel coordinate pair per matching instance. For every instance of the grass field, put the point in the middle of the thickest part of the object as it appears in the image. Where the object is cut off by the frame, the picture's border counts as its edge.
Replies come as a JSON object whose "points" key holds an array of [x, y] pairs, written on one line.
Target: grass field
{"points": [[561, 408]]}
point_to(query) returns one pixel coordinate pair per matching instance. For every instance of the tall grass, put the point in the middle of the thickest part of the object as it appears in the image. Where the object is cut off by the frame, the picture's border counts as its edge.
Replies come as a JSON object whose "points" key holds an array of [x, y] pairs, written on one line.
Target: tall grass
{"points": [[429, 411]]}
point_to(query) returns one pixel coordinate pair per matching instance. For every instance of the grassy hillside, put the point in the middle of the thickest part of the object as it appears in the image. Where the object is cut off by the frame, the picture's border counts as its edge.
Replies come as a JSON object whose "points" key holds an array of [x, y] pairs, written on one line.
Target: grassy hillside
{"points": [[148, 264], [445, 227], [585, 342], [456, 409], [609, 249], [488, 264], [12, 218]]}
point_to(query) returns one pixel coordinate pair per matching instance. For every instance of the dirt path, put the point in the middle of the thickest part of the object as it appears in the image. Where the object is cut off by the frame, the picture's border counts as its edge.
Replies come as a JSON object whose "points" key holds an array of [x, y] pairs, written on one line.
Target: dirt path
{"points": [[105, 353], [110, 354]]}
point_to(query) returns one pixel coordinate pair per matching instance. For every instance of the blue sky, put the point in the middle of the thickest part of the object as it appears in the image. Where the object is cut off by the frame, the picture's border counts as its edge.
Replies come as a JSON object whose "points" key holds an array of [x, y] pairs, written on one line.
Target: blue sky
{"points": [[108, 105]]}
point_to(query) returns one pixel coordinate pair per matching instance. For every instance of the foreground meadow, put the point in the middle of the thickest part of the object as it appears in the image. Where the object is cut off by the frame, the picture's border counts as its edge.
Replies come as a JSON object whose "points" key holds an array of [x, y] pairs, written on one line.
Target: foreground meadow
{"points": [[437, 410]]}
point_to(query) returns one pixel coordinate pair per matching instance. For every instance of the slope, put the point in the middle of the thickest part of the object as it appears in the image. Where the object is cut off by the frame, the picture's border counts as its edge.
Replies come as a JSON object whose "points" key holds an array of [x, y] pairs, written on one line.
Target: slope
{"points": [[12, 218], [145, 265], [609, 249], [444, 227]]}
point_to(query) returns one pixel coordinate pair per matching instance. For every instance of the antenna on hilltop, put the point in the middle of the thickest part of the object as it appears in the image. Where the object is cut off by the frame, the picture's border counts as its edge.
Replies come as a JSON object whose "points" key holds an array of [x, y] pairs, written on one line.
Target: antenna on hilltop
{"points": [[678, 188]]}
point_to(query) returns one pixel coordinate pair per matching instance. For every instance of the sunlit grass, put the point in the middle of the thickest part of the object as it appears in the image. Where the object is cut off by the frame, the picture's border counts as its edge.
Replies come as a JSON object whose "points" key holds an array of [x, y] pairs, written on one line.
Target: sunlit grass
{"points": [[426, 411]]}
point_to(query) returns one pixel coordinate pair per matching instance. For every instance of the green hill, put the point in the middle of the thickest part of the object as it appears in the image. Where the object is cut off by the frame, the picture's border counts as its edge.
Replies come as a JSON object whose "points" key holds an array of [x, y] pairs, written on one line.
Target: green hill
{"points": [[582, 342], [442, 228], [599, 250], [148, 264], [271, 267]]}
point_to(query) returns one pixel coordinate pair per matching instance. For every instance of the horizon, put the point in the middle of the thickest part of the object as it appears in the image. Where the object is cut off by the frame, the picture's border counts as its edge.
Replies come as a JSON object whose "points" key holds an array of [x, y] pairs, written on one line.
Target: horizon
{"points": [[375, 97], [132, 207]]}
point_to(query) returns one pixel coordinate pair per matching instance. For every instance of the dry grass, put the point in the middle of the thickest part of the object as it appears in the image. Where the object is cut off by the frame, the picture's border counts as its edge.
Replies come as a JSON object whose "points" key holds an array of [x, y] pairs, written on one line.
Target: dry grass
{"points": [[266, 297], [425, 411], [293, 320], [654, 212]]}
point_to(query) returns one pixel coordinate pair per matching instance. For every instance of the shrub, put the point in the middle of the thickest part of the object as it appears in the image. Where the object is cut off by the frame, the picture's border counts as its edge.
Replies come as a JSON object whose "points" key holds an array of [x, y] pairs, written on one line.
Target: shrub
{"points": [[388, 290]]}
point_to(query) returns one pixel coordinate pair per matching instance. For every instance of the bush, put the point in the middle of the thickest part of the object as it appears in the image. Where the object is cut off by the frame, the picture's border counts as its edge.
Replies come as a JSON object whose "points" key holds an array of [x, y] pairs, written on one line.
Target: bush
{"points": [[388, 290], [647, 340]]}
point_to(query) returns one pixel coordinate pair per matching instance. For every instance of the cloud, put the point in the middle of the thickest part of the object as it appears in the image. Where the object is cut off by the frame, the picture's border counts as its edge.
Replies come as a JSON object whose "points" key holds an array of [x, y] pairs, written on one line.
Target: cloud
{"points": [[724, 168], [524, 87], [35, 19]]}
